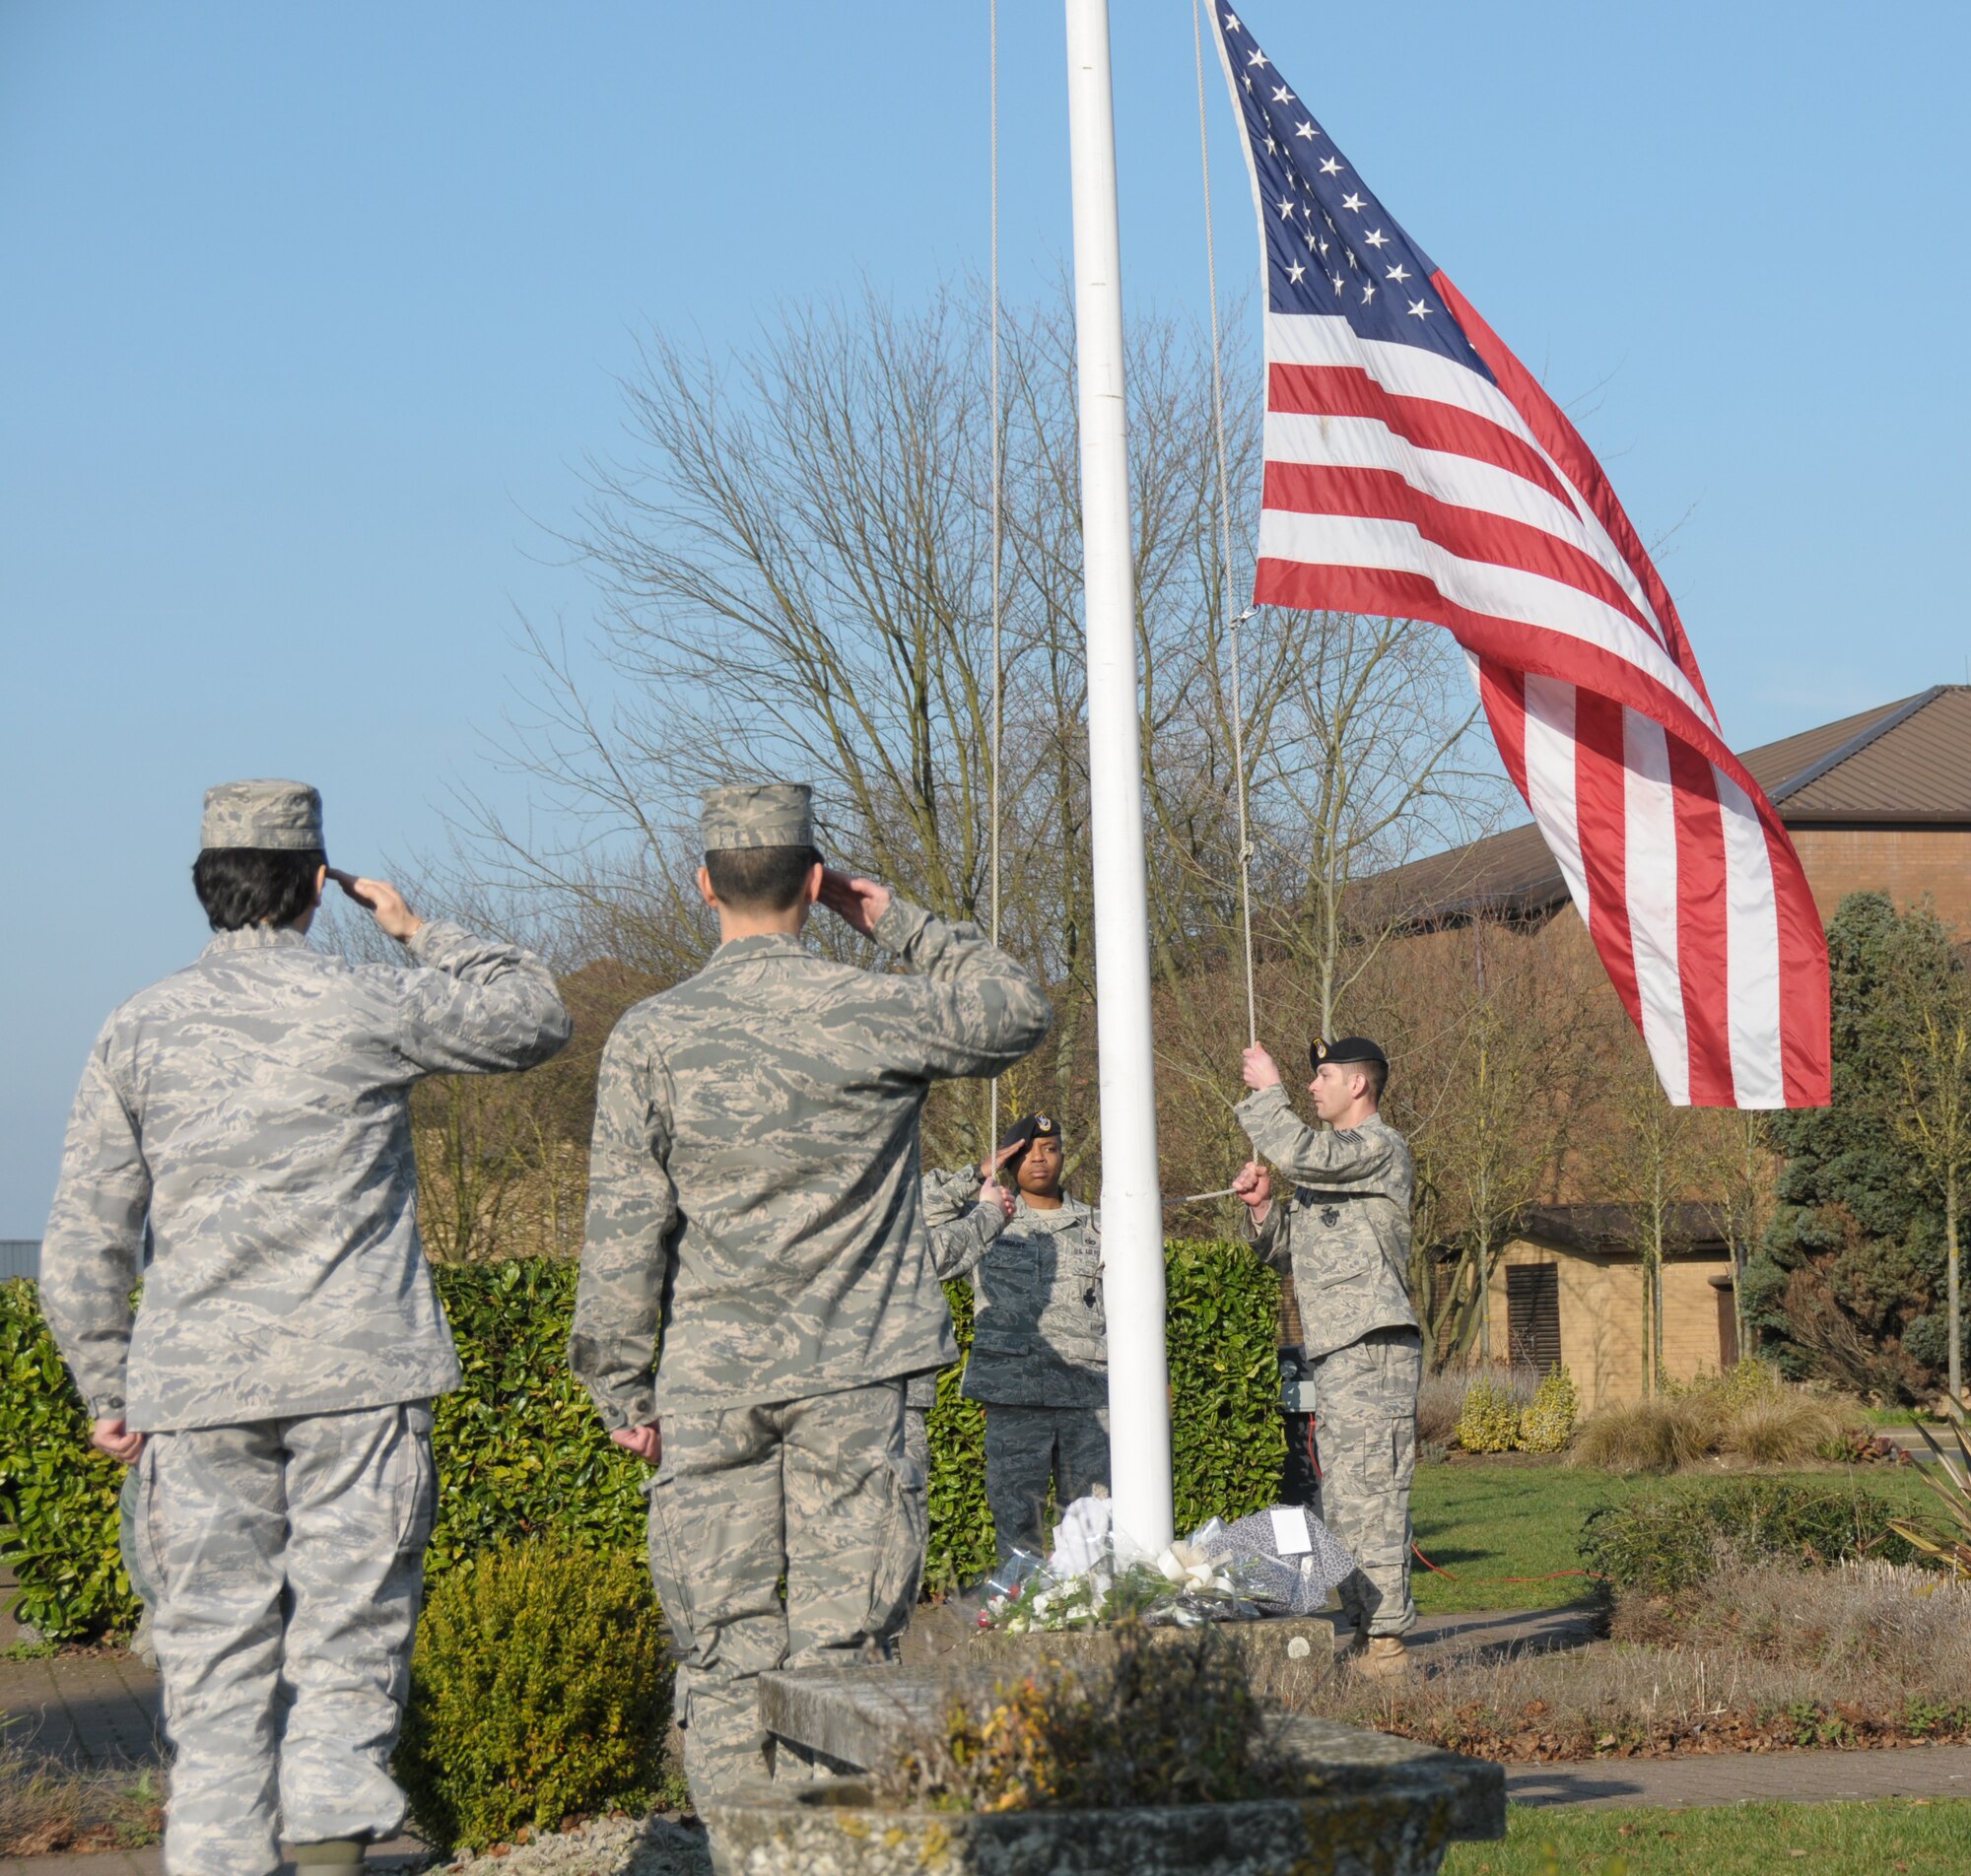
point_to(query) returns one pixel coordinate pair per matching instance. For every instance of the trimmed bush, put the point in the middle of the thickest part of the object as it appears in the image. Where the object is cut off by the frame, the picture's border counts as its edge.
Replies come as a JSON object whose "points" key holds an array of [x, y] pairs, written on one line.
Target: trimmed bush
{"points": [[57, 1493], [1489, 1421], [520, 1453], [1666, 1543], [540, 1690], [1547, 1425]]}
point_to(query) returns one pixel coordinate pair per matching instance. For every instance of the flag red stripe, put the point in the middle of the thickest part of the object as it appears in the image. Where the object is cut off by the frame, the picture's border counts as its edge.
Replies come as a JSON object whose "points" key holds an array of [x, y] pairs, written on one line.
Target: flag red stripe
{"points": [[1472, 534], [1702, 925], [1339, 390], [1807, 1015], [1554, 433], [1600, 814], [1503, 691]]}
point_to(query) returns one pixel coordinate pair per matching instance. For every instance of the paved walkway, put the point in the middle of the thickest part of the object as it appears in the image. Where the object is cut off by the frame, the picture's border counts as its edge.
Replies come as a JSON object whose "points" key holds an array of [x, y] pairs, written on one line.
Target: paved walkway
{"points": [[1748, 1777]]}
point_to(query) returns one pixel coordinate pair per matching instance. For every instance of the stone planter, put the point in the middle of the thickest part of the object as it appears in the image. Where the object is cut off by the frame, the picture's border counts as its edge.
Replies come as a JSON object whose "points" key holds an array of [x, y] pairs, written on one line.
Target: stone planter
{"points": [[1375, 1806]]}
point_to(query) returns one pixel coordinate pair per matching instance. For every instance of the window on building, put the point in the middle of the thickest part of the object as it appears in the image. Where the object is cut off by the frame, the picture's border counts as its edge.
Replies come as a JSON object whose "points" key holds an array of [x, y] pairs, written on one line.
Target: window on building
{"points": [[1533, 1314], [1728, 1325]]}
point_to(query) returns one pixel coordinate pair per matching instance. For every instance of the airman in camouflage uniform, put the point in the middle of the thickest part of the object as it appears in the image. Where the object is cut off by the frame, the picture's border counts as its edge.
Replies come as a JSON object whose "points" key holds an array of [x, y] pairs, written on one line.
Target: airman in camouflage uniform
{"points": [[1040, 1347], [1344, 1238], [754, 1201], [273, 1390], [964, 1212]]}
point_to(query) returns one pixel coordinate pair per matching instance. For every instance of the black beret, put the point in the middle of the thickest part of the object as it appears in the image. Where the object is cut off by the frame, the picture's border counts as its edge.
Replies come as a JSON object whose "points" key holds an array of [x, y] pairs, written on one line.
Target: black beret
{"points": [[1348, 1048], [1035, 1126]]}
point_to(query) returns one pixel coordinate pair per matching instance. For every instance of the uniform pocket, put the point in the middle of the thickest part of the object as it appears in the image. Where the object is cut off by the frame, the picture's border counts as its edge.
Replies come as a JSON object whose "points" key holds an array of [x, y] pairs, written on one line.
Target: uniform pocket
{"points": [[149, 1554], [421, 1507], [899, 1563], [667, 1568]]}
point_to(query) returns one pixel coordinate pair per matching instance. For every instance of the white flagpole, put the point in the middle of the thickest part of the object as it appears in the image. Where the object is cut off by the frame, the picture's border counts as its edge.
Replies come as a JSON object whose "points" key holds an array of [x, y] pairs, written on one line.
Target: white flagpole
{"points": [[1133, 1237]]}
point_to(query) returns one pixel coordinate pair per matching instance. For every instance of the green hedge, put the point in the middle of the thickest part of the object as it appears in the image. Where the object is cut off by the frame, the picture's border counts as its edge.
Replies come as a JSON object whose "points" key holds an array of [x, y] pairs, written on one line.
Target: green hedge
{"points": [[520, 1450]]}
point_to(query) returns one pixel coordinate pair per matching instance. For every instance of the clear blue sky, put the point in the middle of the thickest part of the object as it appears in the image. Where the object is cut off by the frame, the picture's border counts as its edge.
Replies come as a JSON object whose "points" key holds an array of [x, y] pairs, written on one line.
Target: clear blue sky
{"points": [[312, 313]]}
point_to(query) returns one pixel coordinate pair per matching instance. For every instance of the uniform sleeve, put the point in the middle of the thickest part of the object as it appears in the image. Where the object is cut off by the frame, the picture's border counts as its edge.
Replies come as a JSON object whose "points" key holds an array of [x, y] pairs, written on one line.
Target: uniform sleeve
{"points": [[1348, 1157], [477, 1007], [629, 1241], [977, 1011], [93, 1250], [957, 1245], [1270, 1239]]}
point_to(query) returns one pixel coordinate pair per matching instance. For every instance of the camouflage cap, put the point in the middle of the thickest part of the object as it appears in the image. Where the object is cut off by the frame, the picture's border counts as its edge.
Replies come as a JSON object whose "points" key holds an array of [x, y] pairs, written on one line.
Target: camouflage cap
{"points": [[283, 815], [757, 814]]}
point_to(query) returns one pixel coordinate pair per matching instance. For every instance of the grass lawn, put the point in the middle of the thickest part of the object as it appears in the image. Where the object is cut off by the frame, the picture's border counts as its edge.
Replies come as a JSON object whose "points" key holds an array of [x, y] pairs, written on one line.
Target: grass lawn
{"points": [[1884, 1839], [1485, 1522]]}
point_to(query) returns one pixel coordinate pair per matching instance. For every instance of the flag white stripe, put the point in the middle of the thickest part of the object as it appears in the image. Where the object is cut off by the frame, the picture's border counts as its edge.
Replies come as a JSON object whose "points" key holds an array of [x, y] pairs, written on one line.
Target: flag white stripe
{"points": [[1483, 586], [1549, 746], [1649, 877], [1751, 951]]}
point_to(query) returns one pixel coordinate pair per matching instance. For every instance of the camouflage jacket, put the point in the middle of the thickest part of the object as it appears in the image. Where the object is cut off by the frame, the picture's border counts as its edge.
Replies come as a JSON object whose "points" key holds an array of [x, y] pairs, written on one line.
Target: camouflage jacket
{"points": [[1344, 1232], [1039, 1335], [753, 1179], [254, 1108], [961, 1231]]}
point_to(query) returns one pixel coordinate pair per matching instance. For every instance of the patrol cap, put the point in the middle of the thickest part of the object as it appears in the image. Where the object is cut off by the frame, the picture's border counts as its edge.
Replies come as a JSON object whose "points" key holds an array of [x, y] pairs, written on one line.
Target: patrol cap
{"points": [[757, 814], [281, 815], [1035, 1126], [1347, 1048]]}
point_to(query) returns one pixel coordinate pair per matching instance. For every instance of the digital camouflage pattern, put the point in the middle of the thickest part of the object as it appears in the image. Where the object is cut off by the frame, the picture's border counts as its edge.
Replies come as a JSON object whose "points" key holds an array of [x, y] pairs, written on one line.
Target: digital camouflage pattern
{"points": [[284, 1729], [819, 1489], [1029, 1448], [754, 1172], [756, 813], [1344, 1232], [254, 1108], [1039, 1335], [283, 816], [960, 1231], [1365, 1401]]}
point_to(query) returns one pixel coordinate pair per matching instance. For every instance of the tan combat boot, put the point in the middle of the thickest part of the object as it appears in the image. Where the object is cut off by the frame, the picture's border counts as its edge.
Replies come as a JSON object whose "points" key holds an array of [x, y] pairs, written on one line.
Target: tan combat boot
{"points": [[1384, 1658]]}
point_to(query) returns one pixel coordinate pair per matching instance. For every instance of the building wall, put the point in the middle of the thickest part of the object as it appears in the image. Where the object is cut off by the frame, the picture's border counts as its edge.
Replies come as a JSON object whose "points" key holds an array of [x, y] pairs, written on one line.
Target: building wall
{"points": [[1907, 863], [1602, 1317]]}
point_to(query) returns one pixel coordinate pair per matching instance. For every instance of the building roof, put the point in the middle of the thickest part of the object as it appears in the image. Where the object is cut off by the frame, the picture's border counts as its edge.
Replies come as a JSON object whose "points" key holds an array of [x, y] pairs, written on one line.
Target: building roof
{"points": [[1906, 764], [1619, 1230]]}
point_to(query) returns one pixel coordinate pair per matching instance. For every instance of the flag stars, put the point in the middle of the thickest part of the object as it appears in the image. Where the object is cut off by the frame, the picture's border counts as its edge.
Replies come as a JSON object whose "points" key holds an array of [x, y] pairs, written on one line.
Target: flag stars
{"points": [[1331, 166], [1335, 280], [1305, 128], [1399, 273], [1352, 201], [1286, 206], [1295, 272], [1231, 22], [1375, 238], [1368, 291], [1259, 58], [1281, 96], [1418, 311]]}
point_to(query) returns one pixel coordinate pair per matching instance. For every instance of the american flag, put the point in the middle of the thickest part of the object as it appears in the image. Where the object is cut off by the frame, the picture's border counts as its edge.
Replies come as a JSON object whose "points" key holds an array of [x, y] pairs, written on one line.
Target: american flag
{"points": [[1416, 469]]}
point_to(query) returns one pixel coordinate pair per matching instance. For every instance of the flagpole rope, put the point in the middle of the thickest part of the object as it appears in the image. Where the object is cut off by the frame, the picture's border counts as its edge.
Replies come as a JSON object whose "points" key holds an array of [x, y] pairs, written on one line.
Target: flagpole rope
{"points": [[1237, 619], [998, 516]]}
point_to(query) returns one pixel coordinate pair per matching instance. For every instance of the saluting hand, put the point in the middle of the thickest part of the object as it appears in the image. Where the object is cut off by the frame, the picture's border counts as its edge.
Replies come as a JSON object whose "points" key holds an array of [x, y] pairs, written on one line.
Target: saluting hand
{"points": [[382, 901], [858, 903], [1259, 1069]]}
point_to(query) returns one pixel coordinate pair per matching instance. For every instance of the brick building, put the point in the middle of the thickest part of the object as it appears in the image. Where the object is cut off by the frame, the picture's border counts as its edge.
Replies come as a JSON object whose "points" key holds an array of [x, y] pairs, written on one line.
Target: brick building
{"points": [[1877, 803]]}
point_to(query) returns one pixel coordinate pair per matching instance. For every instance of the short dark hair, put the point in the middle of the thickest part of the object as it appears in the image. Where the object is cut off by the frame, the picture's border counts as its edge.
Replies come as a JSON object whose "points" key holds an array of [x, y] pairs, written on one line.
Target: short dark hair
{"points": [[760, 879], [1377, 1074], [242, 885]]}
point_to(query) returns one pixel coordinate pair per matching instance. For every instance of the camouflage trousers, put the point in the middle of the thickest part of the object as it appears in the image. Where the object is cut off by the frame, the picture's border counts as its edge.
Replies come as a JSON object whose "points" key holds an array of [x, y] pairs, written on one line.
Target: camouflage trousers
{"points": [[286, 1558], [916, 1451], [817, 1492], [1029, 1448], [1365, 1397]]}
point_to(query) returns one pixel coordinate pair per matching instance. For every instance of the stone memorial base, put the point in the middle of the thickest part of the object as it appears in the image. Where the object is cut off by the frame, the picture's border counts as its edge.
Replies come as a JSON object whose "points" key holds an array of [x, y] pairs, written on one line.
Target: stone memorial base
{"points": [[1373, 1806]]}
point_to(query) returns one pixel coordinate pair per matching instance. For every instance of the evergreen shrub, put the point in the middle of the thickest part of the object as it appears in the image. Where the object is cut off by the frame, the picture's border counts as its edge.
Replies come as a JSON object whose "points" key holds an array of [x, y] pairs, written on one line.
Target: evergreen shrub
{"points": [[540, 1690], [520, 1453], [1489, 1421], [1548, 1424], [1666, 1542]]}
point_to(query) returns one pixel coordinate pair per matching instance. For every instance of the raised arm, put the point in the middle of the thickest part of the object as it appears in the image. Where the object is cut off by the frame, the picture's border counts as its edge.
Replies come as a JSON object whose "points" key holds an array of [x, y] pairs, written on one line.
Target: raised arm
{"points": [[979, 1011], [629, 1240], [93, 1251], [1348, 1157], [478, 1007]]}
